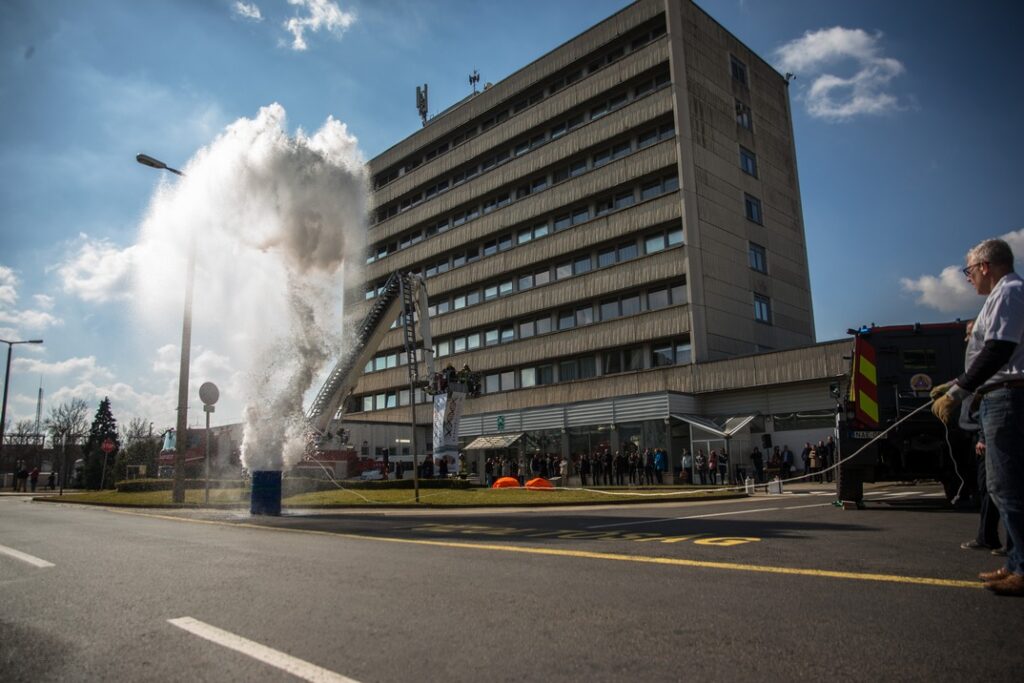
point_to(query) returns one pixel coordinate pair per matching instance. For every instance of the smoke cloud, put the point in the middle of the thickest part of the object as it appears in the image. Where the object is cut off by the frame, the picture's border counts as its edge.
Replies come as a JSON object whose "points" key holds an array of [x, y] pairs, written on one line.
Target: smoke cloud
{"points": [[278, 221]]}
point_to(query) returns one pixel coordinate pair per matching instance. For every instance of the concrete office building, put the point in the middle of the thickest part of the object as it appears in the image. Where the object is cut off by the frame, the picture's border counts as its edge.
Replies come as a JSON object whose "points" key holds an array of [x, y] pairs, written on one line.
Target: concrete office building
{"points": [[610, 235]]}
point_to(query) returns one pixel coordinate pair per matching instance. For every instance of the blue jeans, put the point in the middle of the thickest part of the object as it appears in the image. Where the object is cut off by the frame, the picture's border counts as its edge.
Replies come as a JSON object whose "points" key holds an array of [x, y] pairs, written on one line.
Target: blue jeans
{"points": [[1002, 419]]}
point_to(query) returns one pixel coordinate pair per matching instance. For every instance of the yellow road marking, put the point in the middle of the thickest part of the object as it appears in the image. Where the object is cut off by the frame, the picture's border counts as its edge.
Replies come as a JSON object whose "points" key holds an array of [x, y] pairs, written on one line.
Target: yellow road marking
{"points": [[586, 554]]}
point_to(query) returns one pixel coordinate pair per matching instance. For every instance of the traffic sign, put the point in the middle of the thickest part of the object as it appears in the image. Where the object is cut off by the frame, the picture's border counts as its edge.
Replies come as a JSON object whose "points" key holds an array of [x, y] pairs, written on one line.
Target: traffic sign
{"points": [[108, 446], [501, 423]]}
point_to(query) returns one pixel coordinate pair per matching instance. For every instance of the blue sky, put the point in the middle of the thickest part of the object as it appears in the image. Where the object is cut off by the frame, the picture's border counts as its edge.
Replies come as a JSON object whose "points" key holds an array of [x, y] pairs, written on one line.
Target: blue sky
{"points": [[905, 116]]}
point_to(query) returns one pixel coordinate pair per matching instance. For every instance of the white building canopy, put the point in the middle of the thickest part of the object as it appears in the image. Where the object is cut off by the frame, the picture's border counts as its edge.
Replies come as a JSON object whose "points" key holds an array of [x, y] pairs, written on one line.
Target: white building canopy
{"points": [[494, 441], [731, 426]]}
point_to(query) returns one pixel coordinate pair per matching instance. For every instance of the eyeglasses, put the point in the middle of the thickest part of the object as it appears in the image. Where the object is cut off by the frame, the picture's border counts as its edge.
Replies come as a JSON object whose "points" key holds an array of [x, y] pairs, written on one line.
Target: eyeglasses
{"points": [[969, 270]]}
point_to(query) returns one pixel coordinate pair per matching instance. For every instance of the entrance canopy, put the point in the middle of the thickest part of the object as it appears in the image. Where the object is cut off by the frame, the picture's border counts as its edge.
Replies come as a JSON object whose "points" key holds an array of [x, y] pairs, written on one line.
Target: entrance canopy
{"points": [[481, 443], [731, 426]]}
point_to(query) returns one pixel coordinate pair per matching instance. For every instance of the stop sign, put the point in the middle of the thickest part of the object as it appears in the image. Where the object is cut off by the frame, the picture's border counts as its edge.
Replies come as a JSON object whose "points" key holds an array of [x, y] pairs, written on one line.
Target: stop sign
{"points": [[107, 446]]}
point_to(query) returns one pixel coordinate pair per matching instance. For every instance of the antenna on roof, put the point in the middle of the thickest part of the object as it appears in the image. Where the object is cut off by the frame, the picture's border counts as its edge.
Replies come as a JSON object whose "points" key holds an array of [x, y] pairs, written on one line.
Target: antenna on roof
{"points": [[421, 102], [474, 78]]}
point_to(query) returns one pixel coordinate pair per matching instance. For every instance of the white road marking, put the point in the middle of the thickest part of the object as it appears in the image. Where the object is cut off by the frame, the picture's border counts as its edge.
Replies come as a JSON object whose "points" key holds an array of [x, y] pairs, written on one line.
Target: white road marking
{"points": [[903, 494], [814, 505], [25, 557], [293, 665], [673, 519]]}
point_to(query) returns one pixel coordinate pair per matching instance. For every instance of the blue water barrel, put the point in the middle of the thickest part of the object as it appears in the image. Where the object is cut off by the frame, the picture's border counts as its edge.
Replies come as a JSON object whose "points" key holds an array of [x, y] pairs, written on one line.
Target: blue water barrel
{"points": [[266, 493]]}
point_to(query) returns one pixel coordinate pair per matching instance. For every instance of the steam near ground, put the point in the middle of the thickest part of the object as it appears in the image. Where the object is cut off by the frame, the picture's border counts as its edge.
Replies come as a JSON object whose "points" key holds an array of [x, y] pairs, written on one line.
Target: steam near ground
{"points": [[278, 221]]}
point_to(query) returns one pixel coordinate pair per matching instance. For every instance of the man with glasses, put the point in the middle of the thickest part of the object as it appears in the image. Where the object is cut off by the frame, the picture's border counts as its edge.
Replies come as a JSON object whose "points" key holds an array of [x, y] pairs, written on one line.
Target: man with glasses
{"points": [[995, 373]]}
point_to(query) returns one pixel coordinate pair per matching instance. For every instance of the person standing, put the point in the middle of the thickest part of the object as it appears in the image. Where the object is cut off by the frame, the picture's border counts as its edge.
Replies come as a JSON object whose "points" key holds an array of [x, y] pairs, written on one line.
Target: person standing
{"points": [[758, 459], [713, 466], [688, 465], [805, 456], [660, 465], [723, 467], [787, 462], [701, 462], [995, 372]]}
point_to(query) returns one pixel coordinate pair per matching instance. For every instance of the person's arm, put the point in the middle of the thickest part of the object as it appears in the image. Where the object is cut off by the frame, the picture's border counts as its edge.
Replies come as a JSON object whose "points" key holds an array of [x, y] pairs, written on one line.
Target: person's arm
{"points": [[995, 354]]}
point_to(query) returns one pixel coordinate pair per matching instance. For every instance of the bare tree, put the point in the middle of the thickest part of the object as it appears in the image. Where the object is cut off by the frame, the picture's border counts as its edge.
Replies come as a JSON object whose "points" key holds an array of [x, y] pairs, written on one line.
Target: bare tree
{"points": [[137, 429], [23, 434], [69, 420], [68, 423]]}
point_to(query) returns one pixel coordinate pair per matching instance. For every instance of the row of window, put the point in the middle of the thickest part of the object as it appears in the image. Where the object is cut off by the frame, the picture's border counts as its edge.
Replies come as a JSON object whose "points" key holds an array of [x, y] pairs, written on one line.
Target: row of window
{"points": [[541, 182], [524, 145], [609, 308], [618, 200], [613, 53], [630, 359]]}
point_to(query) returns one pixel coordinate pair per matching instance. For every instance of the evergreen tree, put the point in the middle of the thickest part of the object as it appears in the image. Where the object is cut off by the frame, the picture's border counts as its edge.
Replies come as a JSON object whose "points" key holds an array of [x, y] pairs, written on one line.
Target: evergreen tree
{"points": [[99, 469]]}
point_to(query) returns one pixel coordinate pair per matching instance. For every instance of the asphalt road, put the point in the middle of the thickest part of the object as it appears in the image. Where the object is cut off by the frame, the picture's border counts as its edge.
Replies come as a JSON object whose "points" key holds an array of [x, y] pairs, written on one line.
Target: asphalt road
{"points": [[767, 588]]}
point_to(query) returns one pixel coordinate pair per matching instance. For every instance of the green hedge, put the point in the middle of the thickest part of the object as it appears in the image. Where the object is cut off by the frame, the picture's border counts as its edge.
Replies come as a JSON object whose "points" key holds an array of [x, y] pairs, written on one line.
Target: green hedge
{"points": [[292, 485], [138, 485]]}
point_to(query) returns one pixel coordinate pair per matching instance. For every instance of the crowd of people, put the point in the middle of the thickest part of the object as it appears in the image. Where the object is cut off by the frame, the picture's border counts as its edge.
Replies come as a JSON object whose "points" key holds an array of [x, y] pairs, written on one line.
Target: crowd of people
{"points": [[27, 480]]}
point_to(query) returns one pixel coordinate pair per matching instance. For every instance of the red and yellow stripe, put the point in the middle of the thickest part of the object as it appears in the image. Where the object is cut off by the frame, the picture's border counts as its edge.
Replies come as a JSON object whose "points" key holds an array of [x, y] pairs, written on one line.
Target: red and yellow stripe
{"points": [[865, 383]]}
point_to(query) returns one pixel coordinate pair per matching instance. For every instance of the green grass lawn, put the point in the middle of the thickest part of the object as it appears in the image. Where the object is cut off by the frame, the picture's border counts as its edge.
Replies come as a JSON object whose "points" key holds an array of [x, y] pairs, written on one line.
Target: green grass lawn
{"points": [[479, 497]]}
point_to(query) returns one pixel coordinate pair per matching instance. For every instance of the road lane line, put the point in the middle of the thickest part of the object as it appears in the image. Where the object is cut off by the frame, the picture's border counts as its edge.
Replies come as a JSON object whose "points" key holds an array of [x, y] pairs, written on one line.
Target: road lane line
{"points": [[674, 519], [275, 658], [25, 557], [557, 552], [800, 507]]}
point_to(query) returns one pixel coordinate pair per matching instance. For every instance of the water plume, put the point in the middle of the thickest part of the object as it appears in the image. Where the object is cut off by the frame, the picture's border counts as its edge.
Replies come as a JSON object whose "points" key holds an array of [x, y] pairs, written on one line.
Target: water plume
{"points": [[279, 224]]}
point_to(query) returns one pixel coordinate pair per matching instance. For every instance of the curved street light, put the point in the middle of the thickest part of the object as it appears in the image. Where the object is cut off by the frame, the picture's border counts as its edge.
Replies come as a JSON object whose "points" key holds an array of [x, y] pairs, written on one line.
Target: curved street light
{"points": [[181, 434], [7, 380]]}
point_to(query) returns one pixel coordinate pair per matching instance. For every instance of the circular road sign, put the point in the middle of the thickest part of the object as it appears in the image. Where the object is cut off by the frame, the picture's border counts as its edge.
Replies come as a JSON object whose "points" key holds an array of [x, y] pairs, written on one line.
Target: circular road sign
{"points": [[208, 393], [107, 446]]}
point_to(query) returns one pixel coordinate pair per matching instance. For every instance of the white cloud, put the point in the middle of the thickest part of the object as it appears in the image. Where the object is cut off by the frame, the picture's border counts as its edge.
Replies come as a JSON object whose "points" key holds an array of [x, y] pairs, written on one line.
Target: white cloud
{"points": [[865, 87], [322, 14], [8, 286], [247, 11], [28, 318], [97, 270], [43, 301], [33, 320], [949, 291], [82, 368]]}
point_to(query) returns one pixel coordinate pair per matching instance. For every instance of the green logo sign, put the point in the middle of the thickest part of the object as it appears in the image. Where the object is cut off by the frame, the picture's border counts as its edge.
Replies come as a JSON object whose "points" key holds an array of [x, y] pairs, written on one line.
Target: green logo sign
{"points": [[501, 423]]}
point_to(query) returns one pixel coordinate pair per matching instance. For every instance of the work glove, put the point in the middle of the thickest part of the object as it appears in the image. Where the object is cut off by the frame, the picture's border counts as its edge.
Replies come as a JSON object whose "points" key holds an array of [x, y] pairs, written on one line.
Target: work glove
{"points": [[947, 409], [939, 390]]}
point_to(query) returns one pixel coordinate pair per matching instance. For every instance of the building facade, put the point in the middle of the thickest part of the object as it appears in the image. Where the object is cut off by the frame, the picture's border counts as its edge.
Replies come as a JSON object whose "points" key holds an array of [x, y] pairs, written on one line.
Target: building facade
{"points": [[606, 222]]}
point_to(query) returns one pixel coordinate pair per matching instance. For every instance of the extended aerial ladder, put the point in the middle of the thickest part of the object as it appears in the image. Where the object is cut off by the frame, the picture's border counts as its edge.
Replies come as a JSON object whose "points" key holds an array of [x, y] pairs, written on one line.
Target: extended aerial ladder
{"points": [[403, 298]]}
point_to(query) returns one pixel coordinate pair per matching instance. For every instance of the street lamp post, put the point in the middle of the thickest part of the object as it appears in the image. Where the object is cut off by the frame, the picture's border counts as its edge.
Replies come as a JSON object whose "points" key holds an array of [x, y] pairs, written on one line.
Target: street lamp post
{"points": [[181, 434], [7, 381]]}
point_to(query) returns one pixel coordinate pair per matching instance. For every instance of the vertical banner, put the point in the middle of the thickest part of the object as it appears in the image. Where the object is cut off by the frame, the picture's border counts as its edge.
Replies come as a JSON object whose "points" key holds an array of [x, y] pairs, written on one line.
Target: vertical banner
{"points": [[447, 412]]}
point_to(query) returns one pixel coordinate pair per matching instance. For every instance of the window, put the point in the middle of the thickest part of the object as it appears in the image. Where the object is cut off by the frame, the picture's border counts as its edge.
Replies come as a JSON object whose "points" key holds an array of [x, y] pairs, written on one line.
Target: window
{"points": [[507, 334], [505, 288], [528, 377], [739, 70], [609, 309], [588, 368], [758, 258], [624, 199], [580, 215], [744, 117], [627, 251], [566, 320], [647, 139], [492, 383], [611, 362], [582, 265], [657, 298], [654, 243], [490, 292], [524, 236], [662, 355], [541, 277], [563, 270], [650, 190], [682, 353], [584, 315], [472, 298], [620, 150], [525, 282], [562, 222], [675, 236], [633, 359], [367, 403], [577, 168], [504, 242], [473, 341], [605, 257], [568, 370], [543, 325], [753, 209], [748, 161], [631, 304], [508, 380], [526, 329], [491, 337], [678, 293], [545, 374], [602, 157], [762, 309], [444, 348], [540, 230]]}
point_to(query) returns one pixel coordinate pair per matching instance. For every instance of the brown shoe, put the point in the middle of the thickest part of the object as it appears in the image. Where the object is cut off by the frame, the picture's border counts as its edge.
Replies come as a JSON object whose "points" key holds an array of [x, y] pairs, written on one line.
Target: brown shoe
{"points": [[997, 575], [1012, 585]]}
